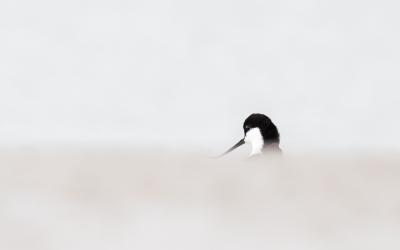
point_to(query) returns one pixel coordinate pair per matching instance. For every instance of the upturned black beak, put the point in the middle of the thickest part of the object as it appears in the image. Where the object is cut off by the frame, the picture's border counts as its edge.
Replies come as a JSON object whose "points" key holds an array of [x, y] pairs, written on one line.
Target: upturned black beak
{"points": [[240, 143]]}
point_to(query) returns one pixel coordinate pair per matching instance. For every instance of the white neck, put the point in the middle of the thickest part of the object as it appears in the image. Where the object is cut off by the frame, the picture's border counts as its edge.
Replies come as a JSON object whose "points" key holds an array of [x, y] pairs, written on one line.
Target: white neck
{"points": [[256, 140]]}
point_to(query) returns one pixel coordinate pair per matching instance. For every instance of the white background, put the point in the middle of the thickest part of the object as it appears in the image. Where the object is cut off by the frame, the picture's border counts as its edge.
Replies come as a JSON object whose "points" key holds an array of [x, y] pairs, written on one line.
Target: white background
{"points": [[174, 74]]}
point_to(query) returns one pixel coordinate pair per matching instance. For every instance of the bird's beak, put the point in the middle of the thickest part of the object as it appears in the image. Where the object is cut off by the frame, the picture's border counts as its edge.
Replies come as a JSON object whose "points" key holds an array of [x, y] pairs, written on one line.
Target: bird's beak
{"points": [[240, 143]]}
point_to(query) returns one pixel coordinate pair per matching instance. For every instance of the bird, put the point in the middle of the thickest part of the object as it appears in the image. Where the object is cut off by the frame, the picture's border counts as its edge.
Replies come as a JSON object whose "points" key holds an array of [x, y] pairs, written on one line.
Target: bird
{"points": [[262, 134]]}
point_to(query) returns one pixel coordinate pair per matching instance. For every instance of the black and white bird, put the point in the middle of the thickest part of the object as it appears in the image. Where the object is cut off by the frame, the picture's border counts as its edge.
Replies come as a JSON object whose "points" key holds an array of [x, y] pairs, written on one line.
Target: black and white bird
{"points": [[261, 134]]}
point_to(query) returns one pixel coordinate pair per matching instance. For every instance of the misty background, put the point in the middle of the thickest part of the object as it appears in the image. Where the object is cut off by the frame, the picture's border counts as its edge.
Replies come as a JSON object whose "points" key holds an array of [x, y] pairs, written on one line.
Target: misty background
{"points": [[180, 75], [94, 95]]}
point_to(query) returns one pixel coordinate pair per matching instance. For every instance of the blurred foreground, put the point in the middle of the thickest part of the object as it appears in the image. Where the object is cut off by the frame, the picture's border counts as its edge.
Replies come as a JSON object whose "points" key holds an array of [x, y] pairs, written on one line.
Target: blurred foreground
{"points": [[111, 200]]}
